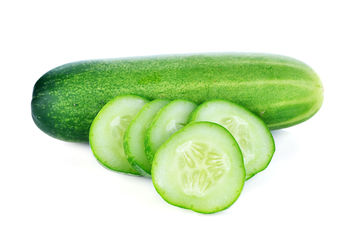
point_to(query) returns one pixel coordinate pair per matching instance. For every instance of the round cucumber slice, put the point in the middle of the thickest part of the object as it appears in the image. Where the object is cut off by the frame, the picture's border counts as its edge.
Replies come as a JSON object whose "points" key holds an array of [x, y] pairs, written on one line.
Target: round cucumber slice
{"points": [[168, 120], [250, 132], [200, 168], [134, 137], [108, 128]]}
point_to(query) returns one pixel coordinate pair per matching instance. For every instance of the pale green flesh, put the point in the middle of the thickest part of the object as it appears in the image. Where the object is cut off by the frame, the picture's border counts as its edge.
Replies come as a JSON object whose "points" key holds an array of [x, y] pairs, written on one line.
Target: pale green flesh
{"points": [[108, 128], [250, 132], [135, 136], [168, 120], [200, 168]]}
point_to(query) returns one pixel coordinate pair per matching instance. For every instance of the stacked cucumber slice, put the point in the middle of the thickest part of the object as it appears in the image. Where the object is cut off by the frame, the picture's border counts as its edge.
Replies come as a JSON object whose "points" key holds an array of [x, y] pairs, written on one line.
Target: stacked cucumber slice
{"points": [[199, 168], [134, 137], [169, 120], [250, 132], [108, 128], [198, 156]]}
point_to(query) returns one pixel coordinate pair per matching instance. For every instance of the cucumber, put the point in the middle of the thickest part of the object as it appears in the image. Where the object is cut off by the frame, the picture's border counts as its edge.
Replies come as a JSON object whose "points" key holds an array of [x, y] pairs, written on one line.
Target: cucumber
{"points": [[281, 90], [250, 132], [168, 120], [200, 168], [107, 132], [134, 137]]}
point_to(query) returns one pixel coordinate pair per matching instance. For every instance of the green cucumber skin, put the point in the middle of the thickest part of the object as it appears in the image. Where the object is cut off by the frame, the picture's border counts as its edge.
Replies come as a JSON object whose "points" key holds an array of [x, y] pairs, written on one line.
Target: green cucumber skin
{"points": [[281, 90]]}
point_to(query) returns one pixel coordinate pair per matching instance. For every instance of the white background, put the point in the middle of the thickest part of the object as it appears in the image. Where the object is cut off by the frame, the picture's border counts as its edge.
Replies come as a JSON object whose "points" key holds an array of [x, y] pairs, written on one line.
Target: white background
{"points": [[54, 196]]}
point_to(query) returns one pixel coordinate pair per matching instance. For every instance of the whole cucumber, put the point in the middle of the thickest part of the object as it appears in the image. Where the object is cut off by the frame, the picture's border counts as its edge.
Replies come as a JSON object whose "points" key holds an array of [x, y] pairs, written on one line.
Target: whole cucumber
{"points": [[281, 90]]}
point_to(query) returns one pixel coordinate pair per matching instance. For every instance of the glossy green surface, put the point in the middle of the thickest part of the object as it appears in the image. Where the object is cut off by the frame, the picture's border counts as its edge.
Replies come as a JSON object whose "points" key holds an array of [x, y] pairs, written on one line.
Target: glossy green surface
{"points": [[281, 90]]}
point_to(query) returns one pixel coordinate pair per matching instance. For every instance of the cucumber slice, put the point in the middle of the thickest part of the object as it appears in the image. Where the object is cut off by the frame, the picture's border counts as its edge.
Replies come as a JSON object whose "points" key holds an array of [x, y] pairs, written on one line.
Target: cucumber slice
{"points": [[107, 132], [134, 137], [168, 120], [251, 133], [199, 168]]}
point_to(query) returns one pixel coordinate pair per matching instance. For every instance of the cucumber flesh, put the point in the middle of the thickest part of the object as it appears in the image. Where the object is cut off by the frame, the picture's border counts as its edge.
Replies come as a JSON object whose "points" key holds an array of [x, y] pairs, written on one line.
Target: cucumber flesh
{"points": [[107, 132], [168, 120], [251, 133], [134, 137], [200, 168]]}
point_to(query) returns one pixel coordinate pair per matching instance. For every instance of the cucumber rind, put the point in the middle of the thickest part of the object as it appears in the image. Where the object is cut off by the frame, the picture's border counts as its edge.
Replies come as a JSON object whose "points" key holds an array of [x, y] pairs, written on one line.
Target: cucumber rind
{"points": [[66, 99], [162, 192], [257, 118], [129, 133], [149, 146], [104, 163]]}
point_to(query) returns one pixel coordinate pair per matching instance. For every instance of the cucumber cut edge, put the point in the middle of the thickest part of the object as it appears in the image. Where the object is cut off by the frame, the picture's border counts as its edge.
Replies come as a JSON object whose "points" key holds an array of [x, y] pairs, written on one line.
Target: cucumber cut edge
{"points": [[134, 136], [100, 120], [179, 120], [239, 167], [256, 121]]}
